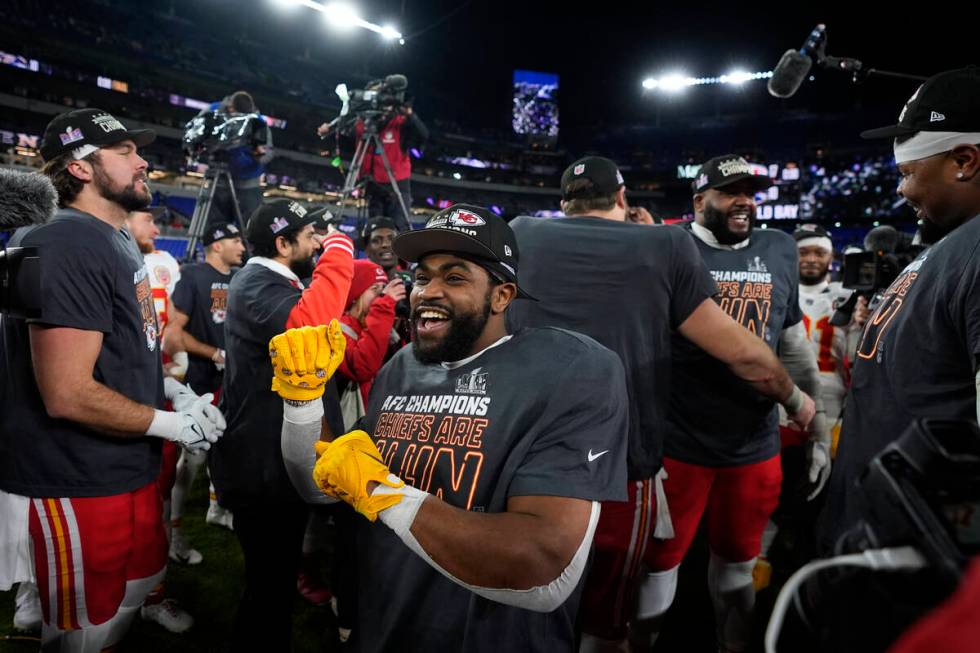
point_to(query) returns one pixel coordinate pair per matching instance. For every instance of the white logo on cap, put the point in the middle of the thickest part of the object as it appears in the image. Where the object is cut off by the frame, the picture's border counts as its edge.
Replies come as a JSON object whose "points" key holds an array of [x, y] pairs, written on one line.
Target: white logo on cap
{"points": [[278, 225], [508, 251], [232, 229], [901, 116], [297, 209], [701, 181], [462, 218], [579, 169], [935, 116], [619, 177], [108, 123], [437, 221], [734, 167]]}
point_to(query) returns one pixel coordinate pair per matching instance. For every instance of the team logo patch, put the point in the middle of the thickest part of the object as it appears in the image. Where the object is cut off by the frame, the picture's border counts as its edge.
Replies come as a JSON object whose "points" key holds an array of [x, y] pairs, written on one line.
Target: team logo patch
{"points": [[507, 250], [462, 218], [279, 224], [701, 181], [619, 178], [71, 135], [734, 167], [297, 208], [905, 109], [162, 273], [579, 169], [473, 383]]}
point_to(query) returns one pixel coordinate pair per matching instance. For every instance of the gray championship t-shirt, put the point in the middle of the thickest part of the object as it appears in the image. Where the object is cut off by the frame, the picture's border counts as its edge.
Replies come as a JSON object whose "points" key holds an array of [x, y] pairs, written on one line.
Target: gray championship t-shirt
{"points": [[628, 286], [917, 358], [716, 419], [93, 279], [543, 413]]}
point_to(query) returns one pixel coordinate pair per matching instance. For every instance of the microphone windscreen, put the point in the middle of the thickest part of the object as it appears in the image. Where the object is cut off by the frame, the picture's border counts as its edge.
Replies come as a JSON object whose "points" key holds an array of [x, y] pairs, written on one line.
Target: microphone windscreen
{"points": [[789, 74], [26, 198]]}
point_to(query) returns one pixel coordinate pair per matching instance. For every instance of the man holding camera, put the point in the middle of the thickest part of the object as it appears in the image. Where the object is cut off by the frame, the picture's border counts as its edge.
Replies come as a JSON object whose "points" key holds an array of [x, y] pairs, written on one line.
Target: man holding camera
{"points": [[79, 404], [919, 351], [397, 129], [245, 163]]}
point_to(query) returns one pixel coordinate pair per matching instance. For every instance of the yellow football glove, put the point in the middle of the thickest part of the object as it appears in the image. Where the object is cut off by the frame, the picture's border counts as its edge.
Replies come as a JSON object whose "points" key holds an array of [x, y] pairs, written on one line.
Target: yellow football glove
{"points": [[304, 359], [346, 466]]}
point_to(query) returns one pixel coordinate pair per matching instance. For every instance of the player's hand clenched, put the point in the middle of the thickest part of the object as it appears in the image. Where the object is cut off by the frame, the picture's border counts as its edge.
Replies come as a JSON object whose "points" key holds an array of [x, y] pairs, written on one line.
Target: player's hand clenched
{"points": [[348, 467], [304, 359]]}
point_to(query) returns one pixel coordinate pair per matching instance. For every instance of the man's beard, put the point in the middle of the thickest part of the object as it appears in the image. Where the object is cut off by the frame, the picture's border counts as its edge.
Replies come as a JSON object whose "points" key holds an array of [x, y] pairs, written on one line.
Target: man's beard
{"points": [[931, 233], [464, 331], [128, 197], [717, 223], [302, 268], [145, 248], [809, 279]]}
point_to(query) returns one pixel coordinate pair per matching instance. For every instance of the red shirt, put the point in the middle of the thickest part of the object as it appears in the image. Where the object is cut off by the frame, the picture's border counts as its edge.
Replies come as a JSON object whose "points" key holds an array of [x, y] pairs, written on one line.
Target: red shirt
{"points": [[365, 354], [391, 141]]}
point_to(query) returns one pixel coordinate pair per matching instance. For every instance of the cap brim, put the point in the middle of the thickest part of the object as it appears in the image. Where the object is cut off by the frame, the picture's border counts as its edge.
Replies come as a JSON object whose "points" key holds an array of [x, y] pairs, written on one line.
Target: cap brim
{"points": [[892, 131], [157, 211], [413, 246], [141, 137]]}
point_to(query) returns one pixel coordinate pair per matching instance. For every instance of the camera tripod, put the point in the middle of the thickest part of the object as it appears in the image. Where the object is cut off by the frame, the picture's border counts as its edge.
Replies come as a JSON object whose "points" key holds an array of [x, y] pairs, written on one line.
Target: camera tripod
{"points": [[368, 140], [216, 174]]}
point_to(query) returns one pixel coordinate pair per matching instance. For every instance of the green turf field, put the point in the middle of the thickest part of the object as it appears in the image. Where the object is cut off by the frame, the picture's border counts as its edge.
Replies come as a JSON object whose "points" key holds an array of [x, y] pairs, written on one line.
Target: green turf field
{"points": [[209, 591]]}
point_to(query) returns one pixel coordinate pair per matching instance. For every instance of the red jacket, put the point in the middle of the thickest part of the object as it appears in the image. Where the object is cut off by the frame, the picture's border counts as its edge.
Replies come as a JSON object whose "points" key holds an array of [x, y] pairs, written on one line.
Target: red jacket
{"points": [[391, 141], [366, 354], [326, 295]]}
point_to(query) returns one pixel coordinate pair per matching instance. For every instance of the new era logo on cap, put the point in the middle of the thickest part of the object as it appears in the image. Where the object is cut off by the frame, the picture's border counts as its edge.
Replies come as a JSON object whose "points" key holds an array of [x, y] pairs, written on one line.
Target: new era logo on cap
{"points": [[935, 116], [463, 218]]}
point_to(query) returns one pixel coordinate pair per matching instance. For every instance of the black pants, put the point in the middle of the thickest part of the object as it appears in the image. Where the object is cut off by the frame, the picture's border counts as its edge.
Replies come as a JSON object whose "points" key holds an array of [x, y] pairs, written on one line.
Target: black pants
{"points": [[383, 201], [223, 208], [271, 537]]}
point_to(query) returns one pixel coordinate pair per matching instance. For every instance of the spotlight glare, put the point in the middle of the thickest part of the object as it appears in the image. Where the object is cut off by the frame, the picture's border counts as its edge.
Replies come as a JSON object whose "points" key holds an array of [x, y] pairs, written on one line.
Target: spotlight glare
{"points": [[650, 83], [340, 15], [389, 33], [736, 78], [675, 83]]}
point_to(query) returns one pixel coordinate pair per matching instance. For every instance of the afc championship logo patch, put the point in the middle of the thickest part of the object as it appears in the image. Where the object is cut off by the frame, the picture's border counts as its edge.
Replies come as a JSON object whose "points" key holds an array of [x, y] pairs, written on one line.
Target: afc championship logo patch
{"points": [[474, 383]]}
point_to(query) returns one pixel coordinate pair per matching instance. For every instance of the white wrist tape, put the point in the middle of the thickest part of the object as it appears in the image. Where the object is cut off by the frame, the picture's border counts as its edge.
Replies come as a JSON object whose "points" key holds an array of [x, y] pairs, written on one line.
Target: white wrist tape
{"points": [[166, 425], [795, 401], [300, 430], [544, 598]]}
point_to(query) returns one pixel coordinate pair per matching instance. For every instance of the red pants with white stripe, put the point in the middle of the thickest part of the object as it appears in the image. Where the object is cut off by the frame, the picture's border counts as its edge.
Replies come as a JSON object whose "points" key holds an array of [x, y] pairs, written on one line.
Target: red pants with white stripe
{"points": [[619, 545], [86, 549]]}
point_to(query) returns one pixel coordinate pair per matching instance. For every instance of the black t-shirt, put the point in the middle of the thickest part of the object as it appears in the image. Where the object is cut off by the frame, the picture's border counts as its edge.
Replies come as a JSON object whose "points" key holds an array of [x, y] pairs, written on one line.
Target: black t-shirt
{"points": [[543, 413], [917, 358], [92, 278], [202, 295], [246, 463], [626, 285], [715, 418]]}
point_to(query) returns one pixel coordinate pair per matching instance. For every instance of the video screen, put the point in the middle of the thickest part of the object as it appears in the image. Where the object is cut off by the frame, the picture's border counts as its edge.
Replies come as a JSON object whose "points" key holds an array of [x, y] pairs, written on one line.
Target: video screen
{"points": [[535, 103]]}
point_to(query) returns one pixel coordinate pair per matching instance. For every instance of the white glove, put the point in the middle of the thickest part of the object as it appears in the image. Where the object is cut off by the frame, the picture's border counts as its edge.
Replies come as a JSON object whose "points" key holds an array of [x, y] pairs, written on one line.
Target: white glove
{"points": [[178, 365], [191, 429], [818, 455], [219, 359], [182, 398]]}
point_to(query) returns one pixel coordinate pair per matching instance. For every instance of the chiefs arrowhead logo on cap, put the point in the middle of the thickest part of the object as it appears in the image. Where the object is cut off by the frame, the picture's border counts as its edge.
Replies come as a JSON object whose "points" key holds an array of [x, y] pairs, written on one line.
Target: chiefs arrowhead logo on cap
{"points": [[463, 218]]}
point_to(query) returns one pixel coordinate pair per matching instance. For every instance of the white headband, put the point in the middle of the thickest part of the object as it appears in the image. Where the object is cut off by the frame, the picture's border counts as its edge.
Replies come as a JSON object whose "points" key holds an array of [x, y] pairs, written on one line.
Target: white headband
{"points": [[83, 151], [926, 144], [816, 241]]}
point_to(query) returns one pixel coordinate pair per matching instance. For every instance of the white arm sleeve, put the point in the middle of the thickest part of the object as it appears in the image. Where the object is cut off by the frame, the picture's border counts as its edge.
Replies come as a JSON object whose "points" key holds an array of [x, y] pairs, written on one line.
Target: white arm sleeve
{"points": [[978, 396], [800, 361], [300, 430], [544, 598]]}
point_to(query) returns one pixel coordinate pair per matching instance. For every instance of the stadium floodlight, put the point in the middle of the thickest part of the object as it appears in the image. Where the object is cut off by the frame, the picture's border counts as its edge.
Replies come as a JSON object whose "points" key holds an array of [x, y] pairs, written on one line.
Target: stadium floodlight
{"points": [[389, 33], [341, 15], [676, 82]]}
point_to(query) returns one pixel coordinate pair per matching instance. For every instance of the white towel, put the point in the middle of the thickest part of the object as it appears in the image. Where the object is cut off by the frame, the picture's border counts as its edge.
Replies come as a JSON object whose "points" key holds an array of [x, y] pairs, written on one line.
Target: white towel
{"points": [[16, 561]]}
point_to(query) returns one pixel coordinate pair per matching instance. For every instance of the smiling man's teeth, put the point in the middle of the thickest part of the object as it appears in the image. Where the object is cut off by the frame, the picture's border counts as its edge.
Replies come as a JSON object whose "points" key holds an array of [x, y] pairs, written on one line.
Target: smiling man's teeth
{"points": [[432, 315]]}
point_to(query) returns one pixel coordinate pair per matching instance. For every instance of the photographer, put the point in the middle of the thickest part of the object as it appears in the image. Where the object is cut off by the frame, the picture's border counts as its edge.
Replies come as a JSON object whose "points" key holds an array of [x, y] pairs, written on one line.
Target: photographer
{"points": [[246, 165], [399, 127]]}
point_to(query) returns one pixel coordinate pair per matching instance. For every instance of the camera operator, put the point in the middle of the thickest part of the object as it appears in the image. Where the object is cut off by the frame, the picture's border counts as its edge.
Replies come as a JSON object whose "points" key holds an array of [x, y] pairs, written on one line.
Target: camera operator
{"points": [[918, 354], [399, 128], [246, 165], [79, 417]]}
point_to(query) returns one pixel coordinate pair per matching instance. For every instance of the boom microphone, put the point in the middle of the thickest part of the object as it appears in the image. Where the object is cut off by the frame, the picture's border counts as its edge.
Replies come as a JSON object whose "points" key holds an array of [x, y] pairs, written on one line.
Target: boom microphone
{"points": [[794, 65], [25, 199]]}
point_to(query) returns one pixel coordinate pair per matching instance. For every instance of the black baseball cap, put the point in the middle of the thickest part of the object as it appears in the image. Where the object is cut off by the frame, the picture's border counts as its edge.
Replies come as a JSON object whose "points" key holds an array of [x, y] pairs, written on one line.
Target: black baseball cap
{"points": [[810, 230], [470, 232], [604, 174], [727, 169], [218, 232], [76, 129], [276, 218], [378, 222], [947, 102], [323, 217]]}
